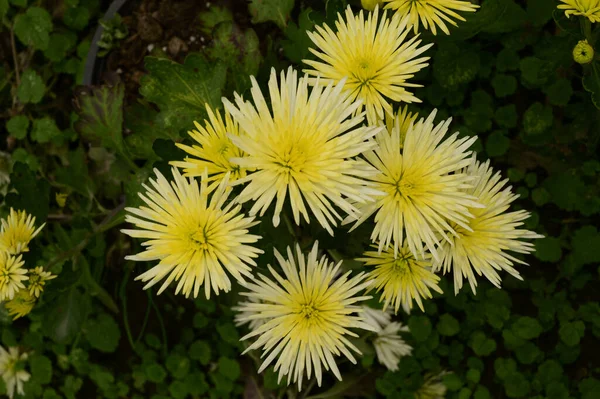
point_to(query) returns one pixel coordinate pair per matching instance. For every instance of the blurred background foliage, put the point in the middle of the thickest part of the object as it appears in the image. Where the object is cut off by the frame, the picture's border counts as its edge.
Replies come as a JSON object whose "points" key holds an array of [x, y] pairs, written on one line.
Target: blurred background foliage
{"points": [[75, 156]]}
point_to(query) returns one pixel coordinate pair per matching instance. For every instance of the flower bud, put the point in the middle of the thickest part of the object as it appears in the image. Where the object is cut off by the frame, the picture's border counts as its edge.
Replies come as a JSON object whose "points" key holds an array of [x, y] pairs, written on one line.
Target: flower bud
{"points": [[371, 4], [583, 53]]}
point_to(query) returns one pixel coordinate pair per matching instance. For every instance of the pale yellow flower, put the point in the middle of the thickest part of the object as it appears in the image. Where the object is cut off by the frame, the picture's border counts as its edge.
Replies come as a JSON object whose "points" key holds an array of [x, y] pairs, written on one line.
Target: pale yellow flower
{"points": [[375, 57], [21, 304], [308, 314], [304, 149], [17, 231], [13, 373], [401, 278], [424, 189], [37, 280], [484, 247], [195, 235], [214, 149], [432, 13], [589, 9], [12, 275], [433, 387]]}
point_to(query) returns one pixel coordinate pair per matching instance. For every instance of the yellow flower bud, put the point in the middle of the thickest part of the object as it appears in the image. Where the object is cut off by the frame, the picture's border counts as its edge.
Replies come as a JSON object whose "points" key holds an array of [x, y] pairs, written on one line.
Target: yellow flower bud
{"points": [[583, 53], [61, 199], [371, 4]]}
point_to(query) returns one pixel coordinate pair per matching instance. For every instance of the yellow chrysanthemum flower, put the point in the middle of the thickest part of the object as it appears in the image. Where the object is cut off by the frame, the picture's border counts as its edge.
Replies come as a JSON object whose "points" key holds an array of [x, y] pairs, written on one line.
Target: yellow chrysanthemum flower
{"points": [[423, 186], [400, 123], [17, 231], [431, 12], [371, 4], [37, 280], [215, 149], [21, 304], [194, 238], [308, 313], [12, 275], [402, 278], [586, 8], [491, 232], [374, 57], [305, 148], [12, 372]]}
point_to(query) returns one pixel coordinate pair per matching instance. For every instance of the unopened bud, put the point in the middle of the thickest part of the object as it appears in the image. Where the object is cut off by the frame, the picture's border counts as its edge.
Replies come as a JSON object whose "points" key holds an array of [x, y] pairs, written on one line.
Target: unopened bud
{"points": [[583, 53], [371, 4]]}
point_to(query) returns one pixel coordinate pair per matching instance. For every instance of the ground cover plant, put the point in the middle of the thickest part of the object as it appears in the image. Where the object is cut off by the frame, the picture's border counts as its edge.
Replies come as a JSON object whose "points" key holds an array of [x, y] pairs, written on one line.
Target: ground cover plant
{"points": [[268, 199]]}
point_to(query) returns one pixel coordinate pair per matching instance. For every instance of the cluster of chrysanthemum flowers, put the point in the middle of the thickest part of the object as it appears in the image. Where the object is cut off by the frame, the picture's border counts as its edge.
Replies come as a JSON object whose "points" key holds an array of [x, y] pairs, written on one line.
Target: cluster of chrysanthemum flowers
{"points": [[19, 286], [330, 147]]}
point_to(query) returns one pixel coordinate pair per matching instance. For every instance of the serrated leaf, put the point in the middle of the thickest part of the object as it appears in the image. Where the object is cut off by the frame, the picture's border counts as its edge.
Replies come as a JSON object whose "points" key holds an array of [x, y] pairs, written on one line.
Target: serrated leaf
{"points": [[59, 45], [45, 130], [17, 126], [537, 119], [178, 365], [296, 44], [66, 317], [200, 351], [32, 194], [182, 90], [571, 332], [100, 111], [497, 144], [41, 369], [277, 11], [448, 325], [526, 328], [32, 87], [33, 28]]}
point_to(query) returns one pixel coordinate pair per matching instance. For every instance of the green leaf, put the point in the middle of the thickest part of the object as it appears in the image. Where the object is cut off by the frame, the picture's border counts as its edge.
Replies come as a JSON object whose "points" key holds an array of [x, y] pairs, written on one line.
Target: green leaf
{"points": [[559, 92], [506, 116], [481, 345], [76, 17], [277, 11], [548, 249], [228, 333], [65, 319], [296, 45], [507, 60], [420, 327], [45, 130], [100, 111], [59, 45], [504, 367], [452, 381], [504, 85], [591, 82], [529, 353], [549, 371], [571, 332], [526, 327], [182, 90], [213, 16], [537, 119], [497, 144], [512, 18], [448, 325], [585, 243], [3, 8], [33, 28], [454, 66], [32, 87], [103, 333], [17, 126], [540, 11], [41, 369], [229, 368], [155, 373], [178, 365], [200, 351], [32, 194], [71, 386], [516, 385]]}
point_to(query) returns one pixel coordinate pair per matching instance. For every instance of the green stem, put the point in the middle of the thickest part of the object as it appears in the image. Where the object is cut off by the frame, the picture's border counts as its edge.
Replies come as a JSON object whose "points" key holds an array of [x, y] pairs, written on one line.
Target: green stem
{"points": [[586, 28], [163, 330], [123, 295], [96, 289]]}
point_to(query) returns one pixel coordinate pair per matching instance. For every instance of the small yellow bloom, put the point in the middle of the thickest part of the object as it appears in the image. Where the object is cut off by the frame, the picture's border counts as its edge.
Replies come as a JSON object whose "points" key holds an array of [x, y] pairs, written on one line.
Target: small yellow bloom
{"points": [[61, 199], [37, 280], [422, 188], [431, 12], [583, 53], [12, 275], [17, 231], [402, 278], [308, 314], [215, 149], [304, 149], [586, 8], [21, 304], [374, 56], [492, 231], [194, 234]]}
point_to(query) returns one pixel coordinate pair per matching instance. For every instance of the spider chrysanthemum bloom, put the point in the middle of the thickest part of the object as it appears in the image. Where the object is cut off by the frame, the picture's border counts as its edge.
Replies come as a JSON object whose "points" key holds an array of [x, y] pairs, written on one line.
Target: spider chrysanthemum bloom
{"points": [[21, 304], [304, 149], [373, 55], [12, 275], [401, 278], [11, 370], [482, 248], [431, 13], [309, 313], [17, 231], [195, 235], [37, 280], [398, 124], [423, 186], [586, 8], [213, 150]]}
